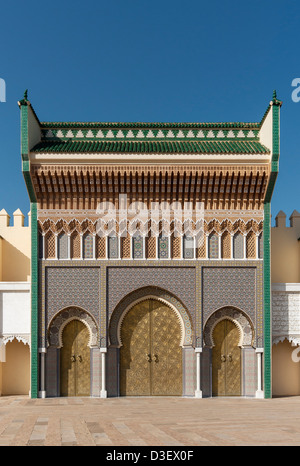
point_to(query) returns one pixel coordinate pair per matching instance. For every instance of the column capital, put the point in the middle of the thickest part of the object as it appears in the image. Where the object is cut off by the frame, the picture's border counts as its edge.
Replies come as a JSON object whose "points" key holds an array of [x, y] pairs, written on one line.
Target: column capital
{"points": [[198, 350]]}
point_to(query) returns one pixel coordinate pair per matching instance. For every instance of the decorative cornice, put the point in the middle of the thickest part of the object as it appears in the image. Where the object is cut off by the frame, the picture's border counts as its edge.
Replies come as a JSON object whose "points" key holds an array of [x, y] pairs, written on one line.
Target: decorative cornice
{"points": [[294, 339], [23, 338]]}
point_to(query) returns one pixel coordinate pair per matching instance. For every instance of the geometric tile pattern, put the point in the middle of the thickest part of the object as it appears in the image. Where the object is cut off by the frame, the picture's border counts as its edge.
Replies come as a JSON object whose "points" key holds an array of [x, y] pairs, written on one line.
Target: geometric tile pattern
{"points": [[49, 245], [163, 247], [213, 246], [113, 247], [196, 290], [249, 371], [137, 247], [178, 280], [251, 246], [62, 246], [58, 323], [189, 371], [75, 245], [224, 286], [72, 286], [201, 293], [238, 246], [87, 246], [139, 134], [244, 325], [260, 246], [188, 247], [226, 245]]}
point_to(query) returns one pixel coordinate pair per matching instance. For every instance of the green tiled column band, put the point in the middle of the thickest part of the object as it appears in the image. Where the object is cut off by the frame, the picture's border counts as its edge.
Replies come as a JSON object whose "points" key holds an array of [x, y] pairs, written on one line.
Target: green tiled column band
{"points": [[276, 104], [34, 247], [34, 301], [267, 301]]}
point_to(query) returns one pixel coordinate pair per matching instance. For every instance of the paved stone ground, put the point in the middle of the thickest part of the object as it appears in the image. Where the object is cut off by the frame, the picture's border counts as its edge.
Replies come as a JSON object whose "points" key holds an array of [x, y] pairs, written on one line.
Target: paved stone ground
{"points": [[172, 422]]}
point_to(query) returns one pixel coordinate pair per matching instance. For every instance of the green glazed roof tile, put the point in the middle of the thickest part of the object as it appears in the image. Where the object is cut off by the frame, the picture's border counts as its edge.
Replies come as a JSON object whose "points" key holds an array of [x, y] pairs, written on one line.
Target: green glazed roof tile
{"points": [[162, 147]]}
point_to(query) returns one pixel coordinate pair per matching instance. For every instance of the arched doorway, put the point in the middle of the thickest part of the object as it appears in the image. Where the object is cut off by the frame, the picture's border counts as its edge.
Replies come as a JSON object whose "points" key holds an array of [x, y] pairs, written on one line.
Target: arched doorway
{"points": [[151, 352], [75, 360], [226, 359]]}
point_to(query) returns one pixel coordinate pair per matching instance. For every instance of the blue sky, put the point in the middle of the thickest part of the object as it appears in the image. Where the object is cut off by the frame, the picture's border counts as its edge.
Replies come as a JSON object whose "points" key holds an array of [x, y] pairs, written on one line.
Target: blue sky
{"points": [[137, 60]]}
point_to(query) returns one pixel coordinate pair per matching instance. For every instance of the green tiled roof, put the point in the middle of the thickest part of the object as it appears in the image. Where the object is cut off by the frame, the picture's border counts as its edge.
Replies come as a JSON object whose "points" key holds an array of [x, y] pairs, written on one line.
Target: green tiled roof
{"points": [[162, 147]]}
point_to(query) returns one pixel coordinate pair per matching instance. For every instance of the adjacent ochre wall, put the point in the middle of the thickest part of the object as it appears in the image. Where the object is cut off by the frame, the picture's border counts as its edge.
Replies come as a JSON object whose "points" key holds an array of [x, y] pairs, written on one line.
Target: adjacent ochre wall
{"points": [[15, 249], [16, 369], [285, 249], [1, 242], [285, 273], [285, 370]]}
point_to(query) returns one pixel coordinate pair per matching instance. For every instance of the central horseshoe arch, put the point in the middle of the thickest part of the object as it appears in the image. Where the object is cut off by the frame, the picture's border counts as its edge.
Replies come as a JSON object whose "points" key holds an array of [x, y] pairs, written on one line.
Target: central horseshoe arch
{"points": [[143, 294]]}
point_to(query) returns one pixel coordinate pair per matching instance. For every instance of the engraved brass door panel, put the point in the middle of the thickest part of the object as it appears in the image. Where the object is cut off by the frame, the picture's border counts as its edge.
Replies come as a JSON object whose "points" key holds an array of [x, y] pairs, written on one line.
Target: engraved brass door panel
{"points": [[75, 360], [166, 351], [135, 352], [226, 360], [150, 356]]}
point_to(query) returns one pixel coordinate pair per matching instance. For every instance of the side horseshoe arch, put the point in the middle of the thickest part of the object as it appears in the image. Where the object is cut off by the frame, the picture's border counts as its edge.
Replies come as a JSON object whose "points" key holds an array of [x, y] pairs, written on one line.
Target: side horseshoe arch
{"points": [[63, 317], [238, 317]]}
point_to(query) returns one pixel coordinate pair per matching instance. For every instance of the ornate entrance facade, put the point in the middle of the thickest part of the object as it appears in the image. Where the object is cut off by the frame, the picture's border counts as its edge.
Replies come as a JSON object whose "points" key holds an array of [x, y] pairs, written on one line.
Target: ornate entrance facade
{"points": [[151, 353], [176, 215]]}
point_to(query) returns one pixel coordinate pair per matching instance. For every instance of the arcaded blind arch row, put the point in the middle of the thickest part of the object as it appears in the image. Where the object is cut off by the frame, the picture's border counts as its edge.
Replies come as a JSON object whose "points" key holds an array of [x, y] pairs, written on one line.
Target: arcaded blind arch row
{"points": [[91, 246], [226, 239]]}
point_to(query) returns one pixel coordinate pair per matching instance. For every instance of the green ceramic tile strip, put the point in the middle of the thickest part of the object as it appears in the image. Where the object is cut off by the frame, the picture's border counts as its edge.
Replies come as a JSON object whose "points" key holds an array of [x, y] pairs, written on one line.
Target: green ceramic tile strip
{"points": [[275, 108], [34, 248]]}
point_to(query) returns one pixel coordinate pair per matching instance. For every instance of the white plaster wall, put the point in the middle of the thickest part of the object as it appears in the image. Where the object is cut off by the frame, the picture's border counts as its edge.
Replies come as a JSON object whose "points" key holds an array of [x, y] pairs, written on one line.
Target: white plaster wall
{"points": [[15, 308], [34, 130], [286, 312], [266, 131]]}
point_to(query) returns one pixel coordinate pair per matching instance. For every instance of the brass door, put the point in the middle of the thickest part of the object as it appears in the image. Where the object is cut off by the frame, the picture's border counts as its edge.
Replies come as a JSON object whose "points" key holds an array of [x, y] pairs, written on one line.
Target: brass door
{"points": [[226, 360], [75, 360], [150, 357]]}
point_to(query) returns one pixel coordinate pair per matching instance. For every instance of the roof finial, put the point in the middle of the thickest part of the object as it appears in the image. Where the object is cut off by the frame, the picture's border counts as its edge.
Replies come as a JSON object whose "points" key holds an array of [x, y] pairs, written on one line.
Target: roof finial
{"points": [[26, 94], [275, 101]]}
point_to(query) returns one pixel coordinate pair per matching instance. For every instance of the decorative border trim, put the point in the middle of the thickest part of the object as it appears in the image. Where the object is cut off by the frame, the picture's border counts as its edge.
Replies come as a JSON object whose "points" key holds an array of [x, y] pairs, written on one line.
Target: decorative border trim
{"points": [[20, 338], [63, 317], [145, 293], [294, 339], [275, 108], [24, 106], [146, 298], [238, 317], [78, 134]]}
